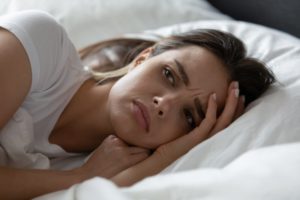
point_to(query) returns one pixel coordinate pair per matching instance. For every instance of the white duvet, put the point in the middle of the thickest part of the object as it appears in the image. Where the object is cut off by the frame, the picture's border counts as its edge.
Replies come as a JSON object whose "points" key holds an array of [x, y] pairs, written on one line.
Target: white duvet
{"points": [[268, 173], [256, 157]]}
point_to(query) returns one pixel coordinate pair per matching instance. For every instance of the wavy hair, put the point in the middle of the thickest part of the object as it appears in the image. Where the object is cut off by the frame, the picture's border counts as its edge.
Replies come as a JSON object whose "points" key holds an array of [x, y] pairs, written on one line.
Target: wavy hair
{"points": [[110, 59]]}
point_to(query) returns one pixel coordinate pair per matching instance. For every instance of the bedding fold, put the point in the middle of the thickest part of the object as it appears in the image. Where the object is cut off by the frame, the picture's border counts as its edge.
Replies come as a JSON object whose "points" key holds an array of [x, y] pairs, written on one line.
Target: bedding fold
{"points": [[267, 173]]}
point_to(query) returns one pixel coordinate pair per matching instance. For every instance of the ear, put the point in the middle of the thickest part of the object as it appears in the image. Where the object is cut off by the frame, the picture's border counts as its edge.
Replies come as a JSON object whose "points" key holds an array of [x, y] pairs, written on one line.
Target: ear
{"points": [[144, 55]]}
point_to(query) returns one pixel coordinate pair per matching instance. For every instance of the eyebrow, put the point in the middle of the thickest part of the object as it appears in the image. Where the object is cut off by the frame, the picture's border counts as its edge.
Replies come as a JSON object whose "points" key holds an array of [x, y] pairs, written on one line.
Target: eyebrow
{"points": [[199, 109], [182, 72], [186, 81]]}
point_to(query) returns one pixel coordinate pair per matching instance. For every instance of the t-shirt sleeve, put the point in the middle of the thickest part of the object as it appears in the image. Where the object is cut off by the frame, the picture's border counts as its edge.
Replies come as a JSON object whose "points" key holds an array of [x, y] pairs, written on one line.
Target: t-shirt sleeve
{"points": [[46, 44]]}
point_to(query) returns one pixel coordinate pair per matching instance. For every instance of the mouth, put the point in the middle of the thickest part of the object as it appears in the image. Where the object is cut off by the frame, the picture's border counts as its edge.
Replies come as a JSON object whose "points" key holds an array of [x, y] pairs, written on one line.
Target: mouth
{"points": [[141, 114]]}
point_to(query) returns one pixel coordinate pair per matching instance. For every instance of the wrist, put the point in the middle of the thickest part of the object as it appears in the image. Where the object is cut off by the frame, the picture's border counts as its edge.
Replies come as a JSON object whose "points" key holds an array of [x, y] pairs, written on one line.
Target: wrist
{"points": [[80, 174]]}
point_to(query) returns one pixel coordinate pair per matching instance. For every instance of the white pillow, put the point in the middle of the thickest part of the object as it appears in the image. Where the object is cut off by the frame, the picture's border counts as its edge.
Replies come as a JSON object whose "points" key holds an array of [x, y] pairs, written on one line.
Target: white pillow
{"points": [[273, 118], [90, 21]]}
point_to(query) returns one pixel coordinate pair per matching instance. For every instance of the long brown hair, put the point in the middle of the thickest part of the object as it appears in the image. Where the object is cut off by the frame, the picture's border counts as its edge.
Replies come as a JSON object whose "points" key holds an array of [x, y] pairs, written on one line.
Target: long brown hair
{"points": [[113, 56]]}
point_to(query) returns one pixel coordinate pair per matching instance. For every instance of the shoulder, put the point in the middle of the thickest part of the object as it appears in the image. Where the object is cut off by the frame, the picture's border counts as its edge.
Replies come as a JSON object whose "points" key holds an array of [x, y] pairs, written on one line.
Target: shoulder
{"points": [[45, 42], [29, 18], [32, 26], [15, 75]]}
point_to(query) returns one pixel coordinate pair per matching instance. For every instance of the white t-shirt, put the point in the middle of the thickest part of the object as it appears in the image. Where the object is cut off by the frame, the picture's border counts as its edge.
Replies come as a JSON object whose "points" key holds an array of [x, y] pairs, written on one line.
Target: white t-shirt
{"points": [[57, 73]]}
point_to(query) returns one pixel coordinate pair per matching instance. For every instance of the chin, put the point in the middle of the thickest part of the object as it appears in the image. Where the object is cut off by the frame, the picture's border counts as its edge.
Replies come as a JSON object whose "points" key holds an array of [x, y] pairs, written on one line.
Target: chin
{"points": [[133, 140], [127, 130], [145, 145]]}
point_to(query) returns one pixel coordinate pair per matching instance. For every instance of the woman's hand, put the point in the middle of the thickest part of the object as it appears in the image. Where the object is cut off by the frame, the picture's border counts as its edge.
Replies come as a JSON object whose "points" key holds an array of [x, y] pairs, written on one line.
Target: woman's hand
{"points": [[234, 107], [110, 158], [169, 152]]}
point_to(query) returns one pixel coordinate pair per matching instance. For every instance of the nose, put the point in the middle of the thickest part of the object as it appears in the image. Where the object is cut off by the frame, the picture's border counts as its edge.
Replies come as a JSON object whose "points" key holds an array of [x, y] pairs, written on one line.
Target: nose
{"points": [[163, 105]]}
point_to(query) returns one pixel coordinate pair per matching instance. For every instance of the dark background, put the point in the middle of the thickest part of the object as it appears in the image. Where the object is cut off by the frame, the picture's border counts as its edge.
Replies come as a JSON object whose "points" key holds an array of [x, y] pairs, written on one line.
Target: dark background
{"points": [[280, 14]]}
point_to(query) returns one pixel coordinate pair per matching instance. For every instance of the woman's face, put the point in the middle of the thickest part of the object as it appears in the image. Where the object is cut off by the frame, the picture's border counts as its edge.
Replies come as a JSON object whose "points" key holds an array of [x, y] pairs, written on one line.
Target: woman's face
{"points": [[165, 96]]}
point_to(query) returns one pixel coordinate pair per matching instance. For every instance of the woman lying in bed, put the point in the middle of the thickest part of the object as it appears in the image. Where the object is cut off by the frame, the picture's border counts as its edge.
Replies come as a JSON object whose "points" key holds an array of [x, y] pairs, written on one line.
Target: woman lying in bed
{"points": [[166, 98]]}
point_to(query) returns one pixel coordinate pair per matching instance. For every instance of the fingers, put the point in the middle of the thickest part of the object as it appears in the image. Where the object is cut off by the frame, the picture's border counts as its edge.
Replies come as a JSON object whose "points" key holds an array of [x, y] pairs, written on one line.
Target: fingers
{"points": [[210, 124], [117, 141], [231, 103], [229, 111], [134, 154], [204, 129], [178, 147], [234, 107], [111, 157], [200, 133], [240, 107], [211, 113]]}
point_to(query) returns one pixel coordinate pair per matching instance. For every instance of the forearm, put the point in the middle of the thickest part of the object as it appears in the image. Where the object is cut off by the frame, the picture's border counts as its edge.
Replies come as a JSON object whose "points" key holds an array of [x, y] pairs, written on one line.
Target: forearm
{"points": [[149, 167], [159, 160], [27, 184]]}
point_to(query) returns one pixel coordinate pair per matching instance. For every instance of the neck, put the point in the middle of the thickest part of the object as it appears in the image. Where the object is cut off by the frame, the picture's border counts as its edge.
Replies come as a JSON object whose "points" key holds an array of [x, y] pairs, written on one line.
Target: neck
{"points": [[85, 122]]}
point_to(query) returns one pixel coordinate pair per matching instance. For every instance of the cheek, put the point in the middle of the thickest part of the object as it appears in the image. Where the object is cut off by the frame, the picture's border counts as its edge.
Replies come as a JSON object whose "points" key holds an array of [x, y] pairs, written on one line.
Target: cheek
{"points": [[125, 126], [118, 112], [119, 106]]}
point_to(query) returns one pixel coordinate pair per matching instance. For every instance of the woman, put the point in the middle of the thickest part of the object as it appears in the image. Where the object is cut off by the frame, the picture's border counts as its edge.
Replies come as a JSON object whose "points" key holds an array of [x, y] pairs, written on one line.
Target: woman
{"points": [[166, 98]]}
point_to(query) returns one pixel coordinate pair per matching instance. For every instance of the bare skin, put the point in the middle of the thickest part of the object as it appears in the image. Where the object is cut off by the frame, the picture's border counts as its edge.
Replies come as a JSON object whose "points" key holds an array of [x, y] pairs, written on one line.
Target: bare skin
{"points": [[146, 83], [123, 157]]}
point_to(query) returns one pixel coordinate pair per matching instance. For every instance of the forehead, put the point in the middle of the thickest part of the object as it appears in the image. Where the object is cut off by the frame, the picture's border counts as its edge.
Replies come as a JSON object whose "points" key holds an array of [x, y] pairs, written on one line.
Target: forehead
{"points": [[205, 71]]}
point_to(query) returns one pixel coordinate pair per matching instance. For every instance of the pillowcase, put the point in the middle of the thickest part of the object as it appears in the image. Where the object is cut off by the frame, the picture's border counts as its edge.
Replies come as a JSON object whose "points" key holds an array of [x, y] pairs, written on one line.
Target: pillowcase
{"points": [[270, 120], [87, 22]]}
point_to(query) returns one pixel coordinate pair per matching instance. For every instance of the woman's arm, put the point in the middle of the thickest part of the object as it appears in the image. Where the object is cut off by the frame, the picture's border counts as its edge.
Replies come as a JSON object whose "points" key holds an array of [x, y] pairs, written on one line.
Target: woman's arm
{"points": [[15, 75], [168, 153], [26, 184], [110, 158], [15, 82]]}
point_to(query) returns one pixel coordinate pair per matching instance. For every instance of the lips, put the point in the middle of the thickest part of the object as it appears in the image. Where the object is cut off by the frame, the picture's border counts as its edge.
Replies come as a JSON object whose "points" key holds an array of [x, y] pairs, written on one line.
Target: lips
{"points": [[141, 114]]}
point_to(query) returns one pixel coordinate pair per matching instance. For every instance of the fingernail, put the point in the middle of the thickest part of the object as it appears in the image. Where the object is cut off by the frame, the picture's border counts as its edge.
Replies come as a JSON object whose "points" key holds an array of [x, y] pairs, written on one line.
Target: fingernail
{"points": [[236, 92], [214, 96], [235, 84]]}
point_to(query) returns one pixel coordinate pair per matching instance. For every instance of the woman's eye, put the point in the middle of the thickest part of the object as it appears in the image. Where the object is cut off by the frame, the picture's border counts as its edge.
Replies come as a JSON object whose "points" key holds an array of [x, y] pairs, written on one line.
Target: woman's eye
{"points": [[168, 74], [189, 119]]}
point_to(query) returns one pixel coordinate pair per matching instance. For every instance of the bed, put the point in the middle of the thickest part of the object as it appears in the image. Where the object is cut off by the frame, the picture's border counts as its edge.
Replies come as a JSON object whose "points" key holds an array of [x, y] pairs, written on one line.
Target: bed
{"points": [[257, 156]]}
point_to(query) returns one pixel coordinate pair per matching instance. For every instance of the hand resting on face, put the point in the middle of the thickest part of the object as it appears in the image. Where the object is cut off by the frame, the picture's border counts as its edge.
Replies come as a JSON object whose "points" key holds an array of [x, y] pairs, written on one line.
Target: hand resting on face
{"points": [[110, 158], [167, 153], [210, 126]]}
